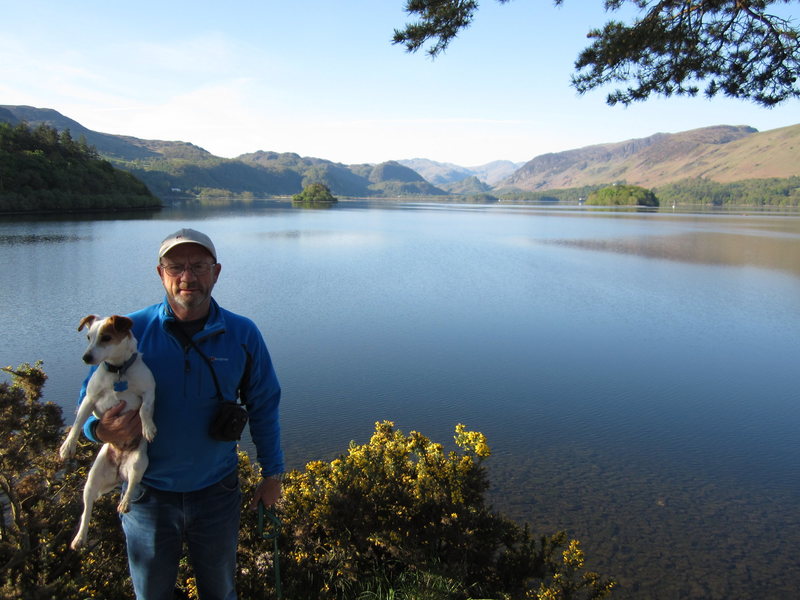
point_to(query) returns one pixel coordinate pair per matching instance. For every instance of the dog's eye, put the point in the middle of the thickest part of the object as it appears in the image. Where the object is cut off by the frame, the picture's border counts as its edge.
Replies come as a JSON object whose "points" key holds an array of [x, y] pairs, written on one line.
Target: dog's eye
{"points": [[105, 338]]}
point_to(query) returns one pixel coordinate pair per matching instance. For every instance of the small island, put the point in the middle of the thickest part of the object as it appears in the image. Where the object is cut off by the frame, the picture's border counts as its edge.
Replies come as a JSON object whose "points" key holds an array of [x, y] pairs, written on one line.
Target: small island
{"points": [[623, 195], [315, 194]]}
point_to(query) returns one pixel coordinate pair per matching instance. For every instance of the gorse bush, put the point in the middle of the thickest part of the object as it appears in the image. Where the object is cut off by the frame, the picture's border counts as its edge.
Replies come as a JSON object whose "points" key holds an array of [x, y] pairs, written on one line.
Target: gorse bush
{"points": [[41, 505], [401, 514], [396, 517], [388, 505]]}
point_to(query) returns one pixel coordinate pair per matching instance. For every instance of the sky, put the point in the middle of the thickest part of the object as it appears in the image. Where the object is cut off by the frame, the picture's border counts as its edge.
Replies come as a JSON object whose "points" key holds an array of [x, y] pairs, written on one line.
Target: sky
{"points": [[322, 79]]}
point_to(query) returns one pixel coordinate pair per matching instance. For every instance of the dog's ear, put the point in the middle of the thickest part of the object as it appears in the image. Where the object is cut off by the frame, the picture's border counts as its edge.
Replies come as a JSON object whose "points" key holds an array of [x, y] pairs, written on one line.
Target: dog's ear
{"points": [[120, 323], [87, 321]]}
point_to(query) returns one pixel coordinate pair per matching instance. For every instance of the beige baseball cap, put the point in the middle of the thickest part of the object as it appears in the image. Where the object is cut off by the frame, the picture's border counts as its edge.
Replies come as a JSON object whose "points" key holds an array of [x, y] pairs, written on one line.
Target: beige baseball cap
{"points": [[187, 236]]}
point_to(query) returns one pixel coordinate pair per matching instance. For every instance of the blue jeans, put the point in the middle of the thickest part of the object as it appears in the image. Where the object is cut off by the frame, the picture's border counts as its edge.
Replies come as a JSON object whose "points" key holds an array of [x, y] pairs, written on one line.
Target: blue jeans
{"points": [[159, 523]]}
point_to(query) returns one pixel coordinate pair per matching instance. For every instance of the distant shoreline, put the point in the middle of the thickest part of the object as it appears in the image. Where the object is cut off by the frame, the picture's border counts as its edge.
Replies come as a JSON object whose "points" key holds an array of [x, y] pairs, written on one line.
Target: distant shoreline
{"points": [[682, 208]]}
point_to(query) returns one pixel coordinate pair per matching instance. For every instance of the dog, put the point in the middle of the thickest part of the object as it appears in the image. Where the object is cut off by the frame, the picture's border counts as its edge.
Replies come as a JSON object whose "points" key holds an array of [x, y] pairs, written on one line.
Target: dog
{"points": [[121, 376]]}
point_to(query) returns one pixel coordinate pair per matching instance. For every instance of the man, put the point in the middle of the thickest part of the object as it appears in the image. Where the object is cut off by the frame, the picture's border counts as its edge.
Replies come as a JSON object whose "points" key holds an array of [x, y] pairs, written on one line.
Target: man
{"points": [[190, 491]]}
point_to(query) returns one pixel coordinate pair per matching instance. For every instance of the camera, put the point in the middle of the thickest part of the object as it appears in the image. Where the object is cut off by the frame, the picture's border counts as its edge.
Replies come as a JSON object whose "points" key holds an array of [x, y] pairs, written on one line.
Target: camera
{"points": [[229, 422]]}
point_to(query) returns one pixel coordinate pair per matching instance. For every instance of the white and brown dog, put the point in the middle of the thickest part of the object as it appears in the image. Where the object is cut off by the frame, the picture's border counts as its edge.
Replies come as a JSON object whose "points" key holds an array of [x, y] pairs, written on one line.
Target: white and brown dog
{"points": [[120, 376]]}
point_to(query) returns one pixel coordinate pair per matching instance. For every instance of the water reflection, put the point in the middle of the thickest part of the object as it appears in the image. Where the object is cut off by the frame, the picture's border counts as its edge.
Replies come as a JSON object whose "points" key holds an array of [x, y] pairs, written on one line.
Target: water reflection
{"points": [[32, 238], [321, 237], [781, 252]]}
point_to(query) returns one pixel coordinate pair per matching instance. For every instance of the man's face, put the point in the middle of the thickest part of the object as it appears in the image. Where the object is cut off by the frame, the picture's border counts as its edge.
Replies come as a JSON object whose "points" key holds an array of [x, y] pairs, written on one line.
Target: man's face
{"points": [[189, 292]]}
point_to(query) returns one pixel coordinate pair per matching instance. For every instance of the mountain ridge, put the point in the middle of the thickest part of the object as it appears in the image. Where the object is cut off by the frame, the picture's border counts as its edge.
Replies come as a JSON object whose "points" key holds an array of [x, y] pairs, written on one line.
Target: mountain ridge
{"points": [[445, 174], [722, 153], [174, 169]]}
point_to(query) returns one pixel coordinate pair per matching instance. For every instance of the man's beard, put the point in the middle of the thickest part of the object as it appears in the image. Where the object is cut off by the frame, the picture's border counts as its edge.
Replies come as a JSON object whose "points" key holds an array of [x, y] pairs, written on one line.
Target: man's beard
{"points": [[192, 301]]}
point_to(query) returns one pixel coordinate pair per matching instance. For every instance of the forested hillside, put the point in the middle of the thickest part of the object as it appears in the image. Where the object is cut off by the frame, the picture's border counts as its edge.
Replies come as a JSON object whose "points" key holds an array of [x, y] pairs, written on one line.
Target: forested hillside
{"points": [[42, 169], [783, 192]]}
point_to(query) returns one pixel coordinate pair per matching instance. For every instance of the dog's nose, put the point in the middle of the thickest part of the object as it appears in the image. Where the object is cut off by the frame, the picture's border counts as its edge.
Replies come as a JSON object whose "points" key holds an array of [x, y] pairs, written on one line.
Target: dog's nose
{"points": [[87, 358]]}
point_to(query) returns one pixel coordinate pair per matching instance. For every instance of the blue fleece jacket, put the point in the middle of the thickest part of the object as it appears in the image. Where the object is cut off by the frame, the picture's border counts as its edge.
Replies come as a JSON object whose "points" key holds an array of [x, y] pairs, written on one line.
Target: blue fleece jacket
{"points": [[183, 457]]}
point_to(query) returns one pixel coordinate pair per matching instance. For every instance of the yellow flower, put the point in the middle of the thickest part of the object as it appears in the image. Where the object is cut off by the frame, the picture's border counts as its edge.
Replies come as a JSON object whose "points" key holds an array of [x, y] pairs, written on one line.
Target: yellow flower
{"points": [[573, 555], [472, 441]]}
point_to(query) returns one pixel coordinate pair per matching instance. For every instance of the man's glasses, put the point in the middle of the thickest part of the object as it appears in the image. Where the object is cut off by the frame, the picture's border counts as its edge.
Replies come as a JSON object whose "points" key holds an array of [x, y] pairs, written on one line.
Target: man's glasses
{"points": [[197, 269]]}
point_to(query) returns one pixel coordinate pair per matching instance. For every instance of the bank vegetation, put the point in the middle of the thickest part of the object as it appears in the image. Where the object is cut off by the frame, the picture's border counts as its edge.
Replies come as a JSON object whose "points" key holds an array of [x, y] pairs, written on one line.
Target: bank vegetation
{"points": [[778, 192], [395, 517]]}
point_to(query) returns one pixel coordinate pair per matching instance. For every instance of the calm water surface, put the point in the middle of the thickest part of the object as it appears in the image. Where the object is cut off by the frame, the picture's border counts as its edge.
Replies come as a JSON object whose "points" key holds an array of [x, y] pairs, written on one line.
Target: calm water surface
{"points": [[636, 373]]}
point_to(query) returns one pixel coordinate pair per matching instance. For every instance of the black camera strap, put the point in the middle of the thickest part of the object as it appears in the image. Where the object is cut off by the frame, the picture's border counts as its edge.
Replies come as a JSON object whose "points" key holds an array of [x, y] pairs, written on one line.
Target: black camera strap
{"points": [[207, 360], [187, 339], [231, 416]]}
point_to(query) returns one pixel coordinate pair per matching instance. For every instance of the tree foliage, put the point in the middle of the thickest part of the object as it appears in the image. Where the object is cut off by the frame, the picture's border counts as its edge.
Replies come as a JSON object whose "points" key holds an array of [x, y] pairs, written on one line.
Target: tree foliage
{"points": [[315, 193], [566, 195], [42, 169], [622, 195], [737, 48], [771, 192], [778, 192]]}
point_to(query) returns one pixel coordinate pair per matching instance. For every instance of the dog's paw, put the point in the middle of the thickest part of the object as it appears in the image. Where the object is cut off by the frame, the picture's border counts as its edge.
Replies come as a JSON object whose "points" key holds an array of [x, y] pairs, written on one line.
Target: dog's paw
{"points": [[123, 506], [78, 542], [149, 431], [67, 450]]}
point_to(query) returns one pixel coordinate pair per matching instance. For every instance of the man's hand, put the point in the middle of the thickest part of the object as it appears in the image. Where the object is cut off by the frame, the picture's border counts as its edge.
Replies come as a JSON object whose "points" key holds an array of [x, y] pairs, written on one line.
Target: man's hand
{"points": [[268, 491], [117, 427]]}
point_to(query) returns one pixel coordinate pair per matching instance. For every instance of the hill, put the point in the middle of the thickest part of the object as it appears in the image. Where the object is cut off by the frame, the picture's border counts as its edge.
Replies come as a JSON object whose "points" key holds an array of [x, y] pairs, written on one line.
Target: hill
{"points": [[721, 153], [177, 170], [109, 146], [446, 174], [386, 179], [469, 186]]}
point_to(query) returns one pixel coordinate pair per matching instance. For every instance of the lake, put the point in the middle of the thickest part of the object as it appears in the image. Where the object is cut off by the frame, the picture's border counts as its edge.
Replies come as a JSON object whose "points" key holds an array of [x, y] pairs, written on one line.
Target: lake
{"points": [[635, 372]]}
